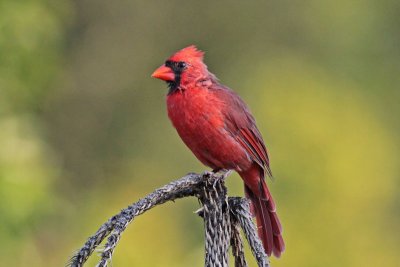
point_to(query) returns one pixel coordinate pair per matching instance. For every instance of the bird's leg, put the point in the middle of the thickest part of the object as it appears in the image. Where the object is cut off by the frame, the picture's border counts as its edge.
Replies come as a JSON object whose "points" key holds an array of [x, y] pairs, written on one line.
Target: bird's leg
{"points": [[225, 173], [221, 173], [216, 170]]}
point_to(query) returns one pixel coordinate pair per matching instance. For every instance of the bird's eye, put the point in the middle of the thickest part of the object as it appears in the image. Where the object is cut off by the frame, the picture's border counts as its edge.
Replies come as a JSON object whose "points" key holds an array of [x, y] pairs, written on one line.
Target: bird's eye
{"points": [[181, 65]]}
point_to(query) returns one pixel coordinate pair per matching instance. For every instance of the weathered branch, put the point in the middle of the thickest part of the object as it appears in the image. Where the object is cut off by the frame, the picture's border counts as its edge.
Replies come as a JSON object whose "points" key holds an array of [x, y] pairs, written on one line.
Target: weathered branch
{"points": [[236, 238], [222, 218], [241, 211]]}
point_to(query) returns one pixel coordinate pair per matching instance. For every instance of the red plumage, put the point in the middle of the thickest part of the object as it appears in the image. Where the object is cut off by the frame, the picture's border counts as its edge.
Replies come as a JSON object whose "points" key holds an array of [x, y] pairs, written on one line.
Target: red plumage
{"points": [[215, 123]]}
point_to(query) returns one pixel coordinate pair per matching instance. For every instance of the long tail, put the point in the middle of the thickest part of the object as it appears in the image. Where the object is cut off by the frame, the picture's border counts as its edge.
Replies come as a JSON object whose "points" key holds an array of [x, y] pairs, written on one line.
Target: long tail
{"points": [[268, 224]]}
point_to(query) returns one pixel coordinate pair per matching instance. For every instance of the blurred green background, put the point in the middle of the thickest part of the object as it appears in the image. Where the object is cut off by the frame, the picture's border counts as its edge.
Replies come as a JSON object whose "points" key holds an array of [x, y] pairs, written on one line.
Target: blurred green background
{"points": [[84, 130]]}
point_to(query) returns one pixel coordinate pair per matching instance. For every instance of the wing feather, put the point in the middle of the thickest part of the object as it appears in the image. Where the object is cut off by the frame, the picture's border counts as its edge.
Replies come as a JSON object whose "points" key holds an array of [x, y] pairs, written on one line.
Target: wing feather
{"points": [[242, 125]]}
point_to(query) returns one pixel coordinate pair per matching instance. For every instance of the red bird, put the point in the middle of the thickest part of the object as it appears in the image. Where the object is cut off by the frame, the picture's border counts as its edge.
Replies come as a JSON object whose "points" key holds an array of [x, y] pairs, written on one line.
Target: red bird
{"points": [[217, 126]]}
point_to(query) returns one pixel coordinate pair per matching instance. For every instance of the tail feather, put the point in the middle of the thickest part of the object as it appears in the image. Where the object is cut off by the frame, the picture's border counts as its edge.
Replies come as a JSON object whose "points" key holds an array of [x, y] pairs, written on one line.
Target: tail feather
{"points": [[276, 224], [263, 223], [268, 224], [279, 245]]}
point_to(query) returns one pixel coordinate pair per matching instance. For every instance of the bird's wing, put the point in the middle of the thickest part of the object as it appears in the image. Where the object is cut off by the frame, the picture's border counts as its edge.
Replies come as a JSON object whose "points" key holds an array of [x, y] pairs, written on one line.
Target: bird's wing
{"points": [[242, 125]]}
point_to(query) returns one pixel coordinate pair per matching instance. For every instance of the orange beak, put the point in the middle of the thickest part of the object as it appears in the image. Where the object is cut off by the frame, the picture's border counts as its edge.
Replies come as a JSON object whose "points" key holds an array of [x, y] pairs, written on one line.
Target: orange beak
{"points": [[164, 73]]}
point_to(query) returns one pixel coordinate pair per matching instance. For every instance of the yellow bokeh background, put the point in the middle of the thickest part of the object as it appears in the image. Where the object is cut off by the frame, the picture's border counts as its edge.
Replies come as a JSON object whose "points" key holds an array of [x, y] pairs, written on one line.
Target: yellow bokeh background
{"points": [[84, 130]]}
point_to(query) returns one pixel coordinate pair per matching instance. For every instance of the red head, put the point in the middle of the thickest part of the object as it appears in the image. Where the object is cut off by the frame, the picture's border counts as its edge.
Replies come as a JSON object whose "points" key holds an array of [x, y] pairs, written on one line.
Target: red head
{"points": [[183, 68]]}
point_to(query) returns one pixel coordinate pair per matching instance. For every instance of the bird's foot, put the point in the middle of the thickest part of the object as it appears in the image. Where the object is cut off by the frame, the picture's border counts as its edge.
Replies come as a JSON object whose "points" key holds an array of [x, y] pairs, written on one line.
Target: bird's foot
{"points": [[220, 175], [207, 174], [217, 175]]}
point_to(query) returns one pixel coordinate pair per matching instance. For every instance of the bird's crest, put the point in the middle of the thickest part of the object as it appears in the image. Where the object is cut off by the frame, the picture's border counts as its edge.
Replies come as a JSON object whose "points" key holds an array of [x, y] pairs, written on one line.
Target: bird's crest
{"points": [[189, 53]]}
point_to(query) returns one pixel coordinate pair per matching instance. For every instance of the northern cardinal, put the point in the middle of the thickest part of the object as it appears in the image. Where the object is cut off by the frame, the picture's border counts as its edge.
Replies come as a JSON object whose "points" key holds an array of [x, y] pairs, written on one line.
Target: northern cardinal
{"points": [[217, 126]]}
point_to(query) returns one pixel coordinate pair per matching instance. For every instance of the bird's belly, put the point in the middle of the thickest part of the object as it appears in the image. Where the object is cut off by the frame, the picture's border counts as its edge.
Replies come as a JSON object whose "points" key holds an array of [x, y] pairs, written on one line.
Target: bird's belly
{"points": [[200, 124]]}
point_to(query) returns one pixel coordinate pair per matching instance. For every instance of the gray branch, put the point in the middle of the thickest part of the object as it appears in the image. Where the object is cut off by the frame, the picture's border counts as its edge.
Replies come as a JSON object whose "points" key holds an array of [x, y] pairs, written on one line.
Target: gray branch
{"points": [[223, 217], [241, 212], [236, 240]]}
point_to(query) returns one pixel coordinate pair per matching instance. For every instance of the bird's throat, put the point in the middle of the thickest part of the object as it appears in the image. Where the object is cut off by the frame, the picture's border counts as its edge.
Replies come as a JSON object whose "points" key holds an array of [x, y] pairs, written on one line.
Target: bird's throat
{"points": [[173, 86]]}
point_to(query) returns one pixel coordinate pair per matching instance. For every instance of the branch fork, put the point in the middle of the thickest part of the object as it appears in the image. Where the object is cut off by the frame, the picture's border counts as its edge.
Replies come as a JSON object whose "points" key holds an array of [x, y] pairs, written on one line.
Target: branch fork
{"points": [[223, 218]]}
